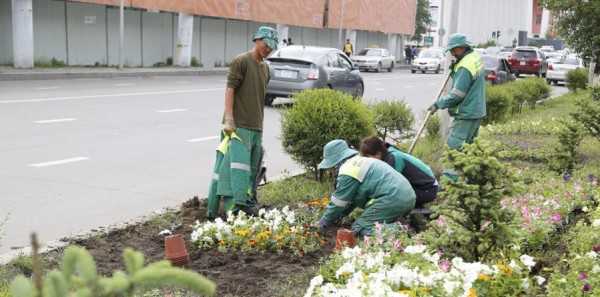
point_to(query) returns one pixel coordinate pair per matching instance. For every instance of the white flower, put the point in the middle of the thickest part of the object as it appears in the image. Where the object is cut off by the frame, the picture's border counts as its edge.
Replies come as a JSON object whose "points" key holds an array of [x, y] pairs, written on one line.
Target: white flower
{"points": [[349, 253], [415, 249], [314, 282], [347, 268], [592, 255], [525, 284], [596, 269], [585, 209], [539, 280], [596, 223], [527, 261]]}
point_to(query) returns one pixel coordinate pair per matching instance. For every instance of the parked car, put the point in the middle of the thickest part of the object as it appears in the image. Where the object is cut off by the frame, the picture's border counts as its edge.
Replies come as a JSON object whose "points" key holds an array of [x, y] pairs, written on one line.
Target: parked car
{"points": [[528, 60], [374, 59], [557, 72], [553, 57], [493, 50], [430, 59], [297, 68], [497, 69], [506, 52], [547, 48]]}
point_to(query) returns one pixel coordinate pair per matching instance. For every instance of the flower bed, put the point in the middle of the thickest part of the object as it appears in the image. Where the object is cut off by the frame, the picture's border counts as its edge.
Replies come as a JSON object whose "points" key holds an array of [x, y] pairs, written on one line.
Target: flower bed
{"points": [[272, 230], [382, 266]]}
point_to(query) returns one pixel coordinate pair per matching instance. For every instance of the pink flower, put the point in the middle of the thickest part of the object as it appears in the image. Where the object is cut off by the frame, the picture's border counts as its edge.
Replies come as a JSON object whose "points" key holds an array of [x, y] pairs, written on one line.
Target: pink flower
{"points": [[556, 218], [397, 245], [444, 265], [367, 241]]}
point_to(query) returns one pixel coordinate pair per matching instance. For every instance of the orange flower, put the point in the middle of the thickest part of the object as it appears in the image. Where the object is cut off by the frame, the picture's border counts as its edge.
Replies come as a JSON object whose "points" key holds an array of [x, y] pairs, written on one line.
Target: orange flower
{"points": [[484, 277], [472, 292]]}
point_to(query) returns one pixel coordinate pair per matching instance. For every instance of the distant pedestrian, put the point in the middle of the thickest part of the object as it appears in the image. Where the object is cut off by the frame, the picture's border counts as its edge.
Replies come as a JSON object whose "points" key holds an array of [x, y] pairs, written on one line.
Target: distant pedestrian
{"points": [[408, 55], [285, 42], [348, 48], [289, 41], [414, 51]]}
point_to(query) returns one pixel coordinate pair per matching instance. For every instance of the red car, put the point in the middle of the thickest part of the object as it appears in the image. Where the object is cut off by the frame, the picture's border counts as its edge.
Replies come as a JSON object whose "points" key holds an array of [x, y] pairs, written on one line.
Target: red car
{"points": [[528, 60]]}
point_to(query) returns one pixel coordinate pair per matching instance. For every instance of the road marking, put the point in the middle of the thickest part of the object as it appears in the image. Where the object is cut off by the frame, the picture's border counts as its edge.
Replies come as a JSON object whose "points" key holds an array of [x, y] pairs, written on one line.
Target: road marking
{"points": [[50, 99], [124, 85], [408, 86], [203, 139], [54, 121], [47, 88], [171, 110], [58, 162], [380, 89]]}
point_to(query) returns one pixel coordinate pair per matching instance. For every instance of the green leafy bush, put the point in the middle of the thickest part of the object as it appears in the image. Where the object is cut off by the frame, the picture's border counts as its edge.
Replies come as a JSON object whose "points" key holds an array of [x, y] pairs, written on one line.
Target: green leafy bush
{"points": [[577, 79], [526, 91], [194, 62], [588, 112], [565, 152], [319, 116], [433, 127], [471, 222], [499, 102], [393, 119], [78, 277]]}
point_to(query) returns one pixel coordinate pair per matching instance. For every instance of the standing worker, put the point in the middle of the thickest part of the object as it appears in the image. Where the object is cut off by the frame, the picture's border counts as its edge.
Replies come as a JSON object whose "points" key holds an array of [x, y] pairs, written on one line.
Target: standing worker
{"points": [[419, 175], [367, 183], [238, 155], [466, 100], [408, 55], [348, 48]]}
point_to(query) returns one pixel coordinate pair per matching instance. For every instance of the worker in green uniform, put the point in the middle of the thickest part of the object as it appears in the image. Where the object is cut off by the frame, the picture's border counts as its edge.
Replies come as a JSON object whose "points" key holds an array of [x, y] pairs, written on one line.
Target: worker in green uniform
{"points": [[237, 158], [419, 175], [368, 183], [466, 100]]}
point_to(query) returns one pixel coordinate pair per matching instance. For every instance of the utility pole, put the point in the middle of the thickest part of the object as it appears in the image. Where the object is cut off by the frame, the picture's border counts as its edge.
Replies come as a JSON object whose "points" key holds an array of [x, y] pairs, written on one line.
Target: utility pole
{"points": [[340, 40], [121, 33]]}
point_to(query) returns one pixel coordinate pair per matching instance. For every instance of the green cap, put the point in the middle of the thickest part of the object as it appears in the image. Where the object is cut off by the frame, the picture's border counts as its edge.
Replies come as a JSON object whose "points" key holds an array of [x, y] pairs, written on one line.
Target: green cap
{"points": [[268, 35], [457, 40], [335, 152]]}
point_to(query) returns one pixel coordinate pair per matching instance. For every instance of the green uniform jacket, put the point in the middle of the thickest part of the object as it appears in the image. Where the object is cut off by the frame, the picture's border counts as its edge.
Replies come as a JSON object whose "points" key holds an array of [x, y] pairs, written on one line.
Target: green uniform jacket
{"points": [[466, 100], [364, 182], [418, 174]]}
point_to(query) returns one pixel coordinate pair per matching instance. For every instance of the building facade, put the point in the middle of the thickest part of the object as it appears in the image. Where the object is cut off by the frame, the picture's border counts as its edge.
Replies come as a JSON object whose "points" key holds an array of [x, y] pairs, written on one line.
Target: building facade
{"points": [[209, 32]]}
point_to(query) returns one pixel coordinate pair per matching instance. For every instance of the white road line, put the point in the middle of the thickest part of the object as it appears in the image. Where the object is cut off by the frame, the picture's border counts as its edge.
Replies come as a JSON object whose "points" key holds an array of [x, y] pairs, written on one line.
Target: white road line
{"points": [[380, 89], [408, 86], [203, 139], [50, 99], [47, 88], [124, 85], [58, 162], [171, 110], [55, 121]]}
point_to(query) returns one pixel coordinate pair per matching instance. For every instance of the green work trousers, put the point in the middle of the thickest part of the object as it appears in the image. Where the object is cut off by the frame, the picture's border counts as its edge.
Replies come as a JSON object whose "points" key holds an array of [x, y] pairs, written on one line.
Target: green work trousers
{"points": [[383, 211], [463, 131], [235, 171]]}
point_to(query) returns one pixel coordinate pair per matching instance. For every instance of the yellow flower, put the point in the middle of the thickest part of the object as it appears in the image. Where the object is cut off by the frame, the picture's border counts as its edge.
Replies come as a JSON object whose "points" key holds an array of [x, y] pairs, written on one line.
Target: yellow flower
{"points": [[472, 292], [242, 232], [484, 277], [410, 293], [504, 269]]}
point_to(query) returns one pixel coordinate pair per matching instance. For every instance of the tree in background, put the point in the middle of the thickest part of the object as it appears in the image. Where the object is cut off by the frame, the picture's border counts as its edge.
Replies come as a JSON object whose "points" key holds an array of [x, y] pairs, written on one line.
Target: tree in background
{"points": [[423, 20], [579, 24]]}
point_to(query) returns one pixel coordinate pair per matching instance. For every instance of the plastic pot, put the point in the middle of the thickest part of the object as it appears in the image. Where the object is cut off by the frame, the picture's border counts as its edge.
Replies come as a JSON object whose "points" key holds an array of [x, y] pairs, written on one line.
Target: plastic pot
{"points": [[344, 238], [175, 250]]}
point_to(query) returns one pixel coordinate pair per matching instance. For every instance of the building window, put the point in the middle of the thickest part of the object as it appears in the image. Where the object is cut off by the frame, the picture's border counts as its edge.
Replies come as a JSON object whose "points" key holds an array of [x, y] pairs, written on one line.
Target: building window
{"points": [[538, 19]]}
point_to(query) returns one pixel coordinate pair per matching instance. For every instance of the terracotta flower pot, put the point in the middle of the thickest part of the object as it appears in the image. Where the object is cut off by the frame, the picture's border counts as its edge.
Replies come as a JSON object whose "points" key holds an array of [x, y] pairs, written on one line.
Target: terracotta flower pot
{"points": [[344, 238], [175, 250]]}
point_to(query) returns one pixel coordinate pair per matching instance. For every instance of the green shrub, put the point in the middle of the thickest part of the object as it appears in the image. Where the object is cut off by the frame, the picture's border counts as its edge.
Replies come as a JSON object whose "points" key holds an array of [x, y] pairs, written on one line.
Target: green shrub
{"points": [[519, 94], [471, 222], [292, 190], [319, 116], [79, 277], [565, 152], [577, 79], [588, 112], [169, 61], [194, 62], [499, 102], [393, 119], [433, 127]]}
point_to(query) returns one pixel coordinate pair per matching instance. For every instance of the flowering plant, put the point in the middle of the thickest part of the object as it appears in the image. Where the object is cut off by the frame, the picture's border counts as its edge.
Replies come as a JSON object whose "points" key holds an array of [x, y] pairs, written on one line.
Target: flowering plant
{"points": [[272, 230]]}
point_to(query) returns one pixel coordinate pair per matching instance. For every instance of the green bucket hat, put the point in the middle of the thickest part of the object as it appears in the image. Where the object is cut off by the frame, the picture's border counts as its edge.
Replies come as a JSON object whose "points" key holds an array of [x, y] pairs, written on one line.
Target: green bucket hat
{"points": [[457, 40], [268, 35], [335, 152]]}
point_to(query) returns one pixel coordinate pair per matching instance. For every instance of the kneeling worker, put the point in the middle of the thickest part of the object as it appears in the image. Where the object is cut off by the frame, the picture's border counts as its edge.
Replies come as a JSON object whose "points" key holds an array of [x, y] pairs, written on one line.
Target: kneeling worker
{"points": [[418, 174], [365, 183]]}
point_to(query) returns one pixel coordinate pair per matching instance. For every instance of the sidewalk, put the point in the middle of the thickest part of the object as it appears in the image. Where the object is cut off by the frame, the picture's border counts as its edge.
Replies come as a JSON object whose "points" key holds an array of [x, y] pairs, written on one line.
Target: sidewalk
{"points": [[9, 73]]}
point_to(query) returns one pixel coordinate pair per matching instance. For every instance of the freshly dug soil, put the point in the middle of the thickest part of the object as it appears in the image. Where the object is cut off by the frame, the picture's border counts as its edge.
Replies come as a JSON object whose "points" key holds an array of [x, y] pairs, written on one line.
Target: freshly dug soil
{"points": [[236, 274]]}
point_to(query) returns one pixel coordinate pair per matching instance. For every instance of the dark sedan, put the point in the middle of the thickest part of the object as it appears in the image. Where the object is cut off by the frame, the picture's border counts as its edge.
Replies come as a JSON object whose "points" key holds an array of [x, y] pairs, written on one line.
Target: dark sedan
{"points": [[497, 69], [297, 68]]}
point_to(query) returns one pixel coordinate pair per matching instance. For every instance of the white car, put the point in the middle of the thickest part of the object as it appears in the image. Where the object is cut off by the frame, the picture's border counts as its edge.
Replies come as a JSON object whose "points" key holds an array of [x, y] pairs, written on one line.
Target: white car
{"points": [[428, 60], [374, 59], [557, 72]]}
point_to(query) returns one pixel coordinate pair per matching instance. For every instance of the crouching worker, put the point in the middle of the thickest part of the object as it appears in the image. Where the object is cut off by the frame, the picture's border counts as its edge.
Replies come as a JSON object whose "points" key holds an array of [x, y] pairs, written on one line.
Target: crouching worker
{"points": [[367, 183], [418, 174]]}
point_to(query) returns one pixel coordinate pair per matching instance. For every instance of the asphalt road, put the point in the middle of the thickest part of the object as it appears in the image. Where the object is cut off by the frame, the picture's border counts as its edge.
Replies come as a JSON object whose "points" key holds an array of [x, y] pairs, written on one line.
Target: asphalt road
{"points": [[82, 153]]}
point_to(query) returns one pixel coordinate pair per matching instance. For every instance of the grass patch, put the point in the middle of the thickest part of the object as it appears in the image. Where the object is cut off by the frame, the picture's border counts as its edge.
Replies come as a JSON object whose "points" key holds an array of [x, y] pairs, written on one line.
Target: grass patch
{"points": [[293, 190]]}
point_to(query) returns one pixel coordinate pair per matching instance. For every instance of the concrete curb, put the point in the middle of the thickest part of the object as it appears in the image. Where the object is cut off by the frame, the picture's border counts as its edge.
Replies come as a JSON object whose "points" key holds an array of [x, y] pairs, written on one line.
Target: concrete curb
{"points": [[75, 73]]}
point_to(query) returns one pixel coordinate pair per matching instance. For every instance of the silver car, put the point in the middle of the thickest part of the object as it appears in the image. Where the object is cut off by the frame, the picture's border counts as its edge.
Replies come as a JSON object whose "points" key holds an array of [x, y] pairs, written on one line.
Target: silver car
{"points": [[297, 68], [374, 59]]}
